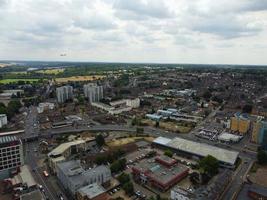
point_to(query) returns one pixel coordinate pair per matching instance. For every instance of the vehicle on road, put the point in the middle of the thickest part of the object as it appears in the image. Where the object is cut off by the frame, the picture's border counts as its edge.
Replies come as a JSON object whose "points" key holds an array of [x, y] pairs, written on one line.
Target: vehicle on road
{"points": [[45, 173]]}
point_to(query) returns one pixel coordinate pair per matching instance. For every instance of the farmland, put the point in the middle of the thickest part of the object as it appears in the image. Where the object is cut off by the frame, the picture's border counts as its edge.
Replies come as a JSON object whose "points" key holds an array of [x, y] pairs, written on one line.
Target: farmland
{"points": [[79, 78]]}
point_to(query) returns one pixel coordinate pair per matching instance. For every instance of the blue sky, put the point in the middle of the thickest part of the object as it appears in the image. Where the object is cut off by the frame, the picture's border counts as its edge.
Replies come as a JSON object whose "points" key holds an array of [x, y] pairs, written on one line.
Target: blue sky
{"points": [[171, 31]]}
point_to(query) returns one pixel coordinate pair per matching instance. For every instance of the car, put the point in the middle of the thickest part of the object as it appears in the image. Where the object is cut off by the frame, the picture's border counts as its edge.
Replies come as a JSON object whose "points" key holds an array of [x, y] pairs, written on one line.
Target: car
{"points": [[45, 173]]}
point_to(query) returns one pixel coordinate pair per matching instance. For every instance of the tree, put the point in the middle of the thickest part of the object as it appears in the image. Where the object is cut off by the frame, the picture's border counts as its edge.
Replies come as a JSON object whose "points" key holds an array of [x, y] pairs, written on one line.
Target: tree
{"points": [[168, 153], [139, 130], [247, 108], [100, 140], [207, 95], [262, 157], [128, 188], [124, 178], [118, 165], [209, 165]]}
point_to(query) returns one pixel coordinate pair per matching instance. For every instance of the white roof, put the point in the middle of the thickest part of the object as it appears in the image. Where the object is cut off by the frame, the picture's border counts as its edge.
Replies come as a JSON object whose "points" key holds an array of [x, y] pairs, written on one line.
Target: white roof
{"points": [[63, 147], [228, 137], [162, 140], [199, 149]]}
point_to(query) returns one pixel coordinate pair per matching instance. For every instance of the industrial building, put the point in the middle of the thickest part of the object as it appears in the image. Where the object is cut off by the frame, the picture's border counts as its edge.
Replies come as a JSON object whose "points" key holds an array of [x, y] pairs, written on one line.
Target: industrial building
{"points": [[161, 172], [3, 120], [73, 176], [11, 155], [93, 92], [228, 137], [240, 123], [64, 93], [198, 150]]}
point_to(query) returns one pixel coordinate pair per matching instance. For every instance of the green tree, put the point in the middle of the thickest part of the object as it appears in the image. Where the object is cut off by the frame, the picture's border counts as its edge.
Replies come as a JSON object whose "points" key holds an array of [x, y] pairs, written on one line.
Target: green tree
{"points": [[209, 165], [168, 153], [123, 178], [262, 157], [128, 188], [100, 140]]}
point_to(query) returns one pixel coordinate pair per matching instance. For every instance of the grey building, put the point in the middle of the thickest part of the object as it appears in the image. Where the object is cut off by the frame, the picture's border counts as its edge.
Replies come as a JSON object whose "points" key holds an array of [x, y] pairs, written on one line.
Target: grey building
{"points": [[73, 176], [64, 93], [93, 92], [11, 155]]}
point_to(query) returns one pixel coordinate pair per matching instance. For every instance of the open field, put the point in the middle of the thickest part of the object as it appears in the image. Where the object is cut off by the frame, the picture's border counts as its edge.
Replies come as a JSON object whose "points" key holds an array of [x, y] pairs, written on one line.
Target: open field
{"points": [[79, 78], [6, 81], [50, 71], [123, 141]]}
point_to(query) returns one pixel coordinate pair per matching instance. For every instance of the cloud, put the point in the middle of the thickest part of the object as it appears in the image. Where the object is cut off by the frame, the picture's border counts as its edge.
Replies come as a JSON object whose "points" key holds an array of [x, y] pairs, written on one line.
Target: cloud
{"points": [[134, 30], [140, 10]]}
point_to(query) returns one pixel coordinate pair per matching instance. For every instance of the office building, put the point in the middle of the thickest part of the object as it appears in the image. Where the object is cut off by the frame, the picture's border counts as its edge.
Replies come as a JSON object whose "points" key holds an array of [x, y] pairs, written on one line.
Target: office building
{"points": [[64, 93], [11, 155], [73, 176], [93, 92], [3, 120]]}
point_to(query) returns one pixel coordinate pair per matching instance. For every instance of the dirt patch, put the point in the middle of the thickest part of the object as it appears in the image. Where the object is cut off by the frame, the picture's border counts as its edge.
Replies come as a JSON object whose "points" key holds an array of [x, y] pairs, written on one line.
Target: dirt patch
{"points": [[260, 176]]}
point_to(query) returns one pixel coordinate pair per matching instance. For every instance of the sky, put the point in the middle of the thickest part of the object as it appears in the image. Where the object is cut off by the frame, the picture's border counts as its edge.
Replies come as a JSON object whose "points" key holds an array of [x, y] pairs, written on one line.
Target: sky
{"points": [[154, 31]]}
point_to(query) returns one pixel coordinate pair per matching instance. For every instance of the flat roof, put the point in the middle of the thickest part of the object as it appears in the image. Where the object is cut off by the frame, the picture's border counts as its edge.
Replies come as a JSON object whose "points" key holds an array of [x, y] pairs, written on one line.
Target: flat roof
{"points": [[63, 147], [36, 195], [159, 172], [24, 176], [91, 190], [200, 149]]}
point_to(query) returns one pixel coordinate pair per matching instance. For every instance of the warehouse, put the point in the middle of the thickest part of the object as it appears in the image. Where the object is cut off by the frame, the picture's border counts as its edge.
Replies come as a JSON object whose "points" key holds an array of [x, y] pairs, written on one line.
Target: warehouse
{"points": [[185, 147]]}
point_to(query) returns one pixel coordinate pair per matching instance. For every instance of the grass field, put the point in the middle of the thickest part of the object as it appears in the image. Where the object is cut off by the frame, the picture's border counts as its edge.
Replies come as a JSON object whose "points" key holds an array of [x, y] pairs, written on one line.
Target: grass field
{"points": [[79, 78], [50, 71], [6, 81]]}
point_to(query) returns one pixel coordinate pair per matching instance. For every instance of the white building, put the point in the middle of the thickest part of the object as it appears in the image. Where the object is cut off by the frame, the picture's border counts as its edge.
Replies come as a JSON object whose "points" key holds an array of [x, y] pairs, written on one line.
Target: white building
{"points": [[93, 92], [133, 103], [11, 155], [64, 93], [45, 106], [178, 193], [3, 120]]}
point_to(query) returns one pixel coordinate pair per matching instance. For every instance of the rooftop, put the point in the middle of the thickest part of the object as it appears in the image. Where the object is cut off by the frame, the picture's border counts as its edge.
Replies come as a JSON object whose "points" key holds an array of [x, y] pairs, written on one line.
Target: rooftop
{"points": [[159, 172], [63, 147], [36, 195], [91, 190], [199, 149], [7, 139]]}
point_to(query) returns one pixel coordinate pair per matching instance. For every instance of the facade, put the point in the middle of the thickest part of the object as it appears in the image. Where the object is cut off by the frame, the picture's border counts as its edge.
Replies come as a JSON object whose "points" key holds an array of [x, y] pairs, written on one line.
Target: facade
{"points": [[92, 192], [259, 133], [73, 176], [3, 120], [161, 173], [64, 93], [11, 155], [93, 92], [45, 106], [240, 123]]}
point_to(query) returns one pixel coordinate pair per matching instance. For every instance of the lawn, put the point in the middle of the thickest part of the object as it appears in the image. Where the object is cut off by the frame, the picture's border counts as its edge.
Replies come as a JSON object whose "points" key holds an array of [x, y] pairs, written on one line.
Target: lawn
{"points": [[79, 78], [7, 81], [50, 71]]}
